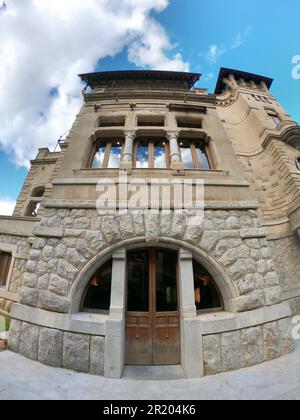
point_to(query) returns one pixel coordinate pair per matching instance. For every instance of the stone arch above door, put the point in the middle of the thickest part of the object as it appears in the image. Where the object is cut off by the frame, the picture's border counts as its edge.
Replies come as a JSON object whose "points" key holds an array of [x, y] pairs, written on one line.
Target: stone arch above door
{"points": [[222, 279]]}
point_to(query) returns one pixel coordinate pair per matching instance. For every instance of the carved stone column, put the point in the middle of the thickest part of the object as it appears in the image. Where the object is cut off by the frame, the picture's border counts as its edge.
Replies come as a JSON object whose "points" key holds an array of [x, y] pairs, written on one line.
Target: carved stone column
{"points": [[175, 155], [191, 338], [115, 325], [127, 156]]}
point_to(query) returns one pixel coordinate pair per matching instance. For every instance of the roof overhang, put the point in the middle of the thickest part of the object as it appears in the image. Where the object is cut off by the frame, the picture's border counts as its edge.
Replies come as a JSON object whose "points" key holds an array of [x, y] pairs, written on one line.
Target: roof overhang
{"points": [[93, 79], [248, 77]]}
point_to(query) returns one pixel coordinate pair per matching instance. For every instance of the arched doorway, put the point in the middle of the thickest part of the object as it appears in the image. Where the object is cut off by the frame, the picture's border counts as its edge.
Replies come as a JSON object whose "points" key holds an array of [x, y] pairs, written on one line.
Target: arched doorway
{"points": [[152, 308]]}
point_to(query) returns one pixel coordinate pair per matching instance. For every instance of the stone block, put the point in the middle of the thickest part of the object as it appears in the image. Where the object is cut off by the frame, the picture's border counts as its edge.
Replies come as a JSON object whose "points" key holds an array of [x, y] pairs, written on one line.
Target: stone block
{"points": [[212, 354], [97, 351], [43, 282], [286, 341], [29, 341], [252, 346], [271, 341], [30, 280], [231, 351], [246, 284], [209, 240], [76, 352], [273, 295], [95, 240], [152, 227], [58, 285], [250, 301], [50, 349], [53, 303], [29, 296], [14, 335]]}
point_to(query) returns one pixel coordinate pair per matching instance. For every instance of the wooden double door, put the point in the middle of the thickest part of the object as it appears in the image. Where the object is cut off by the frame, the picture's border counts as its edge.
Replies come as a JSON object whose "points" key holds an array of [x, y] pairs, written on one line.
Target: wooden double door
{"points": [[152, 318]]}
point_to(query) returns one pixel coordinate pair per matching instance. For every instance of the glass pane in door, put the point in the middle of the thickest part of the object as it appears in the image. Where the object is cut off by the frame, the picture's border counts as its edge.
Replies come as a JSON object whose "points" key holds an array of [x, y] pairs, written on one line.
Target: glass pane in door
{"points": [[138, 281], [166, 281]]}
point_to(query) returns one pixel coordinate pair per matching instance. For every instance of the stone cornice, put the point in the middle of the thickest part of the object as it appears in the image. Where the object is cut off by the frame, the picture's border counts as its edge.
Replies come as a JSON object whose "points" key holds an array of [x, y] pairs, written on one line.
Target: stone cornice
{"points": [[290, 136]]}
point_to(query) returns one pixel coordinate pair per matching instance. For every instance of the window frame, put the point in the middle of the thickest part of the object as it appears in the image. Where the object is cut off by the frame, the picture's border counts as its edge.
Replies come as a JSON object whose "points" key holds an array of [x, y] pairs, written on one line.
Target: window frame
{"points": [[83, 308], [108, 145], [111, 121], [274, 116], [161, 121], [192, 145], [6, 271], [151, 142], [191, 123], [32, 205], [209, 310]]}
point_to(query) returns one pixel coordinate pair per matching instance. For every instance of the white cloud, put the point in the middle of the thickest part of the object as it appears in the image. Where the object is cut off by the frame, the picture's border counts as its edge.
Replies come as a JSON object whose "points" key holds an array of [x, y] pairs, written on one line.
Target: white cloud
{"points": [[215, 51], [6, 206], [46, 43], [241, 38], [207, 77]]}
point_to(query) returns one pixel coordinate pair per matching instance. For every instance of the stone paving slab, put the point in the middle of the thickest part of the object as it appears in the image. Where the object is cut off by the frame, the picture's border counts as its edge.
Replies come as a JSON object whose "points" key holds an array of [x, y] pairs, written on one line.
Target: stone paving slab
{"points": [[22, 379]]}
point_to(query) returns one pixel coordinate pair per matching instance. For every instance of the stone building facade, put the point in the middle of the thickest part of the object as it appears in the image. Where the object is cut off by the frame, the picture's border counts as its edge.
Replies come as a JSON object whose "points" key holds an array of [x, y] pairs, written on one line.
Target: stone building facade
{"points": [[94, 289]]}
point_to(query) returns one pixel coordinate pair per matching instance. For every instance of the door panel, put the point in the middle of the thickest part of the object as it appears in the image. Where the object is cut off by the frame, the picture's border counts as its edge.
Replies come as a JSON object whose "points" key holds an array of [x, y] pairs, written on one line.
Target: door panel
{"points": [[166, 339], [152, 321], [139, 341]]}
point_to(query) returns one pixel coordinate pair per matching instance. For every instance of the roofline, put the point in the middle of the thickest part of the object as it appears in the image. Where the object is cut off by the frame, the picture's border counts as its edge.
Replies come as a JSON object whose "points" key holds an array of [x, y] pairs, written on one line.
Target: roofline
{"points": [[93, 78], [224, 73]]}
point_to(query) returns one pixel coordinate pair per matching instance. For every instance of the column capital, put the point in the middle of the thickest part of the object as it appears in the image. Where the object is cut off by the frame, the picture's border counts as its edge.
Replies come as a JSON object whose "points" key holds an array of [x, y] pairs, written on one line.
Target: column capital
{"points": [[120, 254], [172, 135], [185, 255], [130, 134]]}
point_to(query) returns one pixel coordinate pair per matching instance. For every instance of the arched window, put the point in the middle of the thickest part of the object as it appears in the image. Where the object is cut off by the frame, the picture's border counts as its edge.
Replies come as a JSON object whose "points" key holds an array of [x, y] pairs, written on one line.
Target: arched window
{"points": [[97, 294], [33, 208], [298, 163], [38, 192], [207, 296]]}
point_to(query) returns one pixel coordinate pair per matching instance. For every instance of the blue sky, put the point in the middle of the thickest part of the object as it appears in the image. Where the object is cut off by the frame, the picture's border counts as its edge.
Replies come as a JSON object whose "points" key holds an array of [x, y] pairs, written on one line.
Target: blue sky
{"points": [[260, 37]]}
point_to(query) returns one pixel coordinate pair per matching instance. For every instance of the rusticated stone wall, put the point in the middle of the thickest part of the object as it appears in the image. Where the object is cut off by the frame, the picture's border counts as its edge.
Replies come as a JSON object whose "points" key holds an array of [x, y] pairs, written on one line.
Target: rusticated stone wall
{"points": [[84, 353], [21, 254], [69, 238], [79, 352], [248, 347], [286, 259]]}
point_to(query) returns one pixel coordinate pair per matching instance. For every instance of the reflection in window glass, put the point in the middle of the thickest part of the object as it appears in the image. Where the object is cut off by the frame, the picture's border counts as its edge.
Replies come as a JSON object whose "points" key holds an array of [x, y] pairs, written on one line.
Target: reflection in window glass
{"points": [[204, 164], [99, 157], [160, 156], [115, 156], [187, 157], [142, 159], [138, 281], [166, 281], [99, 289], [5, 262], [206, 294]]}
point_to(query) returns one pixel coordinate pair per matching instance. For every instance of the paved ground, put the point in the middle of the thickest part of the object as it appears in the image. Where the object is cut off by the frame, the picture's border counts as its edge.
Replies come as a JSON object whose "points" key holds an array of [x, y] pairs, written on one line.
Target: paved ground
{"points": [[21, 379]]}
